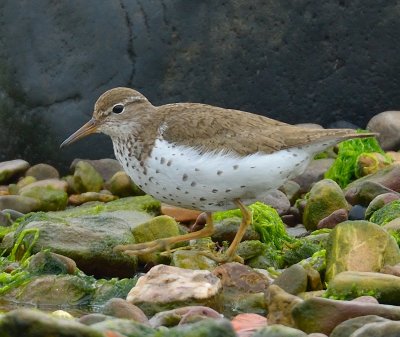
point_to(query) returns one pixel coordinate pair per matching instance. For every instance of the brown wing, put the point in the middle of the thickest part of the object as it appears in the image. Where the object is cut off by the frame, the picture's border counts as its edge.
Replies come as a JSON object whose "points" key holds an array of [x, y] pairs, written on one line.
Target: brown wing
{"points": [[210, 128]]}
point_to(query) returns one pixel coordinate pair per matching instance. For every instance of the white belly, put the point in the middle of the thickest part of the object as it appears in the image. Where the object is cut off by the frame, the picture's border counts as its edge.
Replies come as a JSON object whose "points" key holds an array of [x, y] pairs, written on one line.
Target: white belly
{"points": [[181, 176]]}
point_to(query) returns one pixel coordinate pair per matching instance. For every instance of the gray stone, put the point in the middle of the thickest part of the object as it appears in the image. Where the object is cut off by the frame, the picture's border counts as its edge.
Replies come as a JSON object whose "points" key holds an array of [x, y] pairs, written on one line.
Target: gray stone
{"points": [[278, 330], [378, 329], [43, 171], [12, 168], [107, 167], [293, 280], [387, 125], [120, 308], [19, 203], [314, 172]]}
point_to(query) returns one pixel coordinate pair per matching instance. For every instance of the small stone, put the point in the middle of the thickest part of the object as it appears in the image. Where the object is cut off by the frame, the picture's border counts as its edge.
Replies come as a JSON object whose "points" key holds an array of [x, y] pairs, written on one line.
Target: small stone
{"points": [[94, 318], [226, 229], [333, 219], [293, 280], [278, 200], [62, 314], [378, 329], [42, 172], [183, 315], [120, 308], [52, 183], [386, 124], [180, 214], [324, 198], [106, 167], [51, 263], [50, 199], [25, 181], [165, 287], [86, 178], [292, 190], [119, 327], [192, 259], [122, 185], [19, 203], [11, 169], [357, 212], [359, 246], [246, 324], [5, 219], [79, 199], [368, 163]]}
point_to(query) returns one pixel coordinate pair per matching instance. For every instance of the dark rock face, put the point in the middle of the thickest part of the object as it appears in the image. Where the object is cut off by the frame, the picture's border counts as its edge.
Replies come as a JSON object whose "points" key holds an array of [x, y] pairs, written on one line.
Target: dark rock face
{"points": [[320, 61]]}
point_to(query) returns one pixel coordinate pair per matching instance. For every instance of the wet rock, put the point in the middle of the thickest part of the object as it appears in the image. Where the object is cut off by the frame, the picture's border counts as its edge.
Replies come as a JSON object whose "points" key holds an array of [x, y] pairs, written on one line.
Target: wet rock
{"points": [[192, 259], [30, 323], [120, 308], [359, 246], [292, 190], [278, 200], [251, 248], [159, 227], [89, 233], [333, 219], [90, 319], [50, 199], [324, 198], [53, 290], [278, 330], [387, 125], [226, 229], [327, 314], [369, 163], [86, 178], [52, 183], [314, 282], [387, 213], [180, 214], [42, 172], [11, 169], [365, 192], [121, 184], [293, 280], [79, 199], [125, 327], [384, 287], [280, 305], [246, 324], [166, 287], [183, 315], [380, 201], [388, 177], [19, 203], [314, 173], [346, 328], [357, 212], [12, 214], [378, 329], [51, 263], [107, 167]]}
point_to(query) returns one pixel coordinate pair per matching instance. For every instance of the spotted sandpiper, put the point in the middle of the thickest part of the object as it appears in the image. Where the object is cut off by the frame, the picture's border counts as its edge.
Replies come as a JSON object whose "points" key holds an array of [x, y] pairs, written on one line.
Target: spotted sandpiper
{"points": [[203, 157]]}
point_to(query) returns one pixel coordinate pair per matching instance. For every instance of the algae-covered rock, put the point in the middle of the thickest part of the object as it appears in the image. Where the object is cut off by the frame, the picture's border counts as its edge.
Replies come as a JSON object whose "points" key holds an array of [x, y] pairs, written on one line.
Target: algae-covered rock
{"points": [[126, 327], [50, 199], [86, 178], [251, 248], [25, 181], [363, 192], [32, 322], [368, 163], [380, 201], [12, 168], [378, 329], [348, 285], [387, 213], [359, 246], [79, 199], [346, 328], [122, 185], [204, 328], [278, 330], [107, 289], [192, 259], [293, 280], [50, 263], [166, 287], [324, 198], [52, 183]]}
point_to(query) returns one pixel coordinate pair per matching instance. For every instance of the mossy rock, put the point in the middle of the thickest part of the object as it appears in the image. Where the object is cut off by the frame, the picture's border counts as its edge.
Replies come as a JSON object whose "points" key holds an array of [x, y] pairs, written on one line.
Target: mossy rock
{"points": [[324, 198], [387, 213], [51, 199], [86, 178]]}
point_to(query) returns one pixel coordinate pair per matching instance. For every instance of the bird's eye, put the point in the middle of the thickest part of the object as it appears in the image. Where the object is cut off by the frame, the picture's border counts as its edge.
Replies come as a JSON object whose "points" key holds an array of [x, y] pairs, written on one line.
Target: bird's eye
{"points": [[118, 108]]}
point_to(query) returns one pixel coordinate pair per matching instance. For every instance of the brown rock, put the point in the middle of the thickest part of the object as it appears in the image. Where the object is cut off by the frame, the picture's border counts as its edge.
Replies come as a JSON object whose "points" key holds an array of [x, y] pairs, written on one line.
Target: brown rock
{"points": [[333, 219], [120, 308], [246, 324]]}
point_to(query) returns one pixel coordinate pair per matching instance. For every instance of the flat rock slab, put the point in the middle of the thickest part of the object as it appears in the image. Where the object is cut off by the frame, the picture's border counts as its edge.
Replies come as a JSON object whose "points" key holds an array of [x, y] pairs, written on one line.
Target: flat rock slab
{"points": [[166, 287]]}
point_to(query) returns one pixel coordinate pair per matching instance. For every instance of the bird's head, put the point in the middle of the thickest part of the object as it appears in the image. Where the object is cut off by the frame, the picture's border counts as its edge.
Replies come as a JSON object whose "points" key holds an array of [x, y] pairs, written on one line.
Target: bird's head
{"points": [[114, 110]]}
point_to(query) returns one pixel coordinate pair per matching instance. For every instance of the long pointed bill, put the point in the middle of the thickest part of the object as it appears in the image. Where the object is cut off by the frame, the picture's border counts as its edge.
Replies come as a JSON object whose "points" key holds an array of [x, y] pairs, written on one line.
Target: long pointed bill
{"points": [[87, 129]]}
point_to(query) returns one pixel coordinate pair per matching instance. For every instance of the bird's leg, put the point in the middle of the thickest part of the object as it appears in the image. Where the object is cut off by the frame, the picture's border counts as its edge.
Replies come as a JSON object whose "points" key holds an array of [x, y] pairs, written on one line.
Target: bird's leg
{"points": [[165, 243], [246, 221]]}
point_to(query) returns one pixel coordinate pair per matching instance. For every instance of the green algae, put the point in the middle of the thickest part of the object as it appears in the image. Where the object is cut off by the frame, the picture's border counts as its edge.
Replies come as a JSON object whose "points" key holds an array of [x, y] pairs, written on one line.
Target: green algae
{"points": [[343, 170], [387, 213], [265, 220]]}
